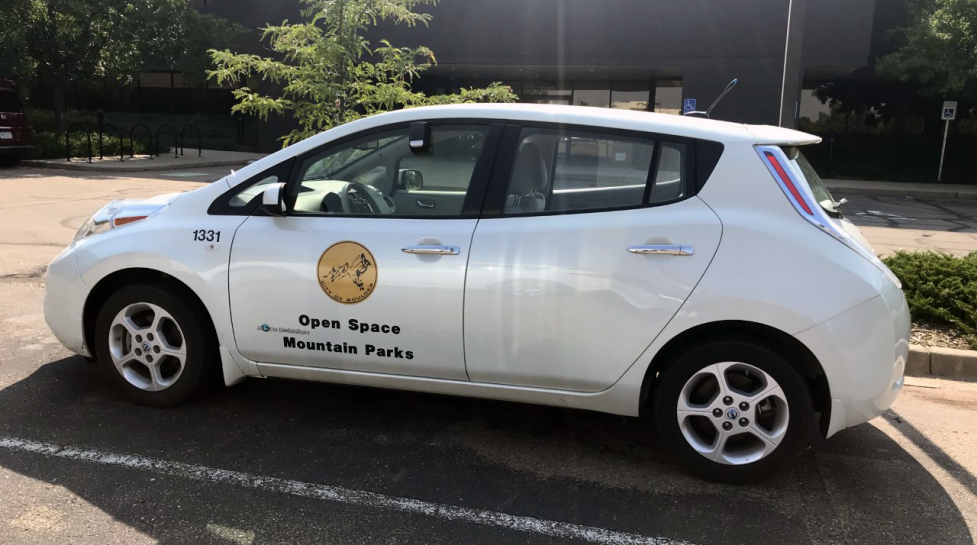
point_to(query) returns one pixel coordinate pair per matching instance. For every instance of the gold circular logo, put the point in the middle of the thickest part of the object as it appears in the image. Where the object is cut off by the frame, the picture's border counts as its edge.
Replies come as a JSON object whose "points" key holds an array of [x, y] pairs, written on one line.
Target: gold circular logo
{"points": [[347, 272]]}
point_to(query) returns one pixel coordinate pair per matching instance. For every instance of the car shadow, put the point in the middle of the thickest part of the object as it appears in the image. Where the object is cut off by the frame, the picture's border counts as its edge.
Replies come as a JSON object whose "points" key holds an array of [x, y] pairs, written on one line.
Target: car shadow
{"points": [[555, 464]]}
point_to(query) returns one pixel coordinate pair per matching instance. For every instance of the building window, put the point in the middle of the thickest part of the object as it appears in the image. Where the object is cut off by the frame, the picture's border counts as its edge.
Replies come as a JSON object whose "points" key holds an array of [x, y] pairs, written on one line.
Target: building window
{"points": [[625, 96], [536, 92], [668, 96], [591, 95]]}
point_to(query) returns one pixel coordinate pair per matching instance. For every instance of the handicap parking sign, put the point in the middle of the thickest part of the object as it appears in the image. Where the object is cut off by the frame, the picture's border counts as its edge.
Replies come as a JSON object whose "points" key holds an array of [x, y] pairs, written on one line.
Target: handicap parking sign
{"points": [[688, 105]]}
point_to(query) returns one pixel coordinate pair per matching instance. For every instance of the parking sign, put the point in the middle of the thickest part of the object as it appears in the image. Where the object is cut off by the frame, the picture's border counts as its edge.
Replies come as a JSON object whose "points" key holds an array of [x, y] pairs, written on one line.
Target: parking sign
{"points": [[688, 105], [949, 110]]}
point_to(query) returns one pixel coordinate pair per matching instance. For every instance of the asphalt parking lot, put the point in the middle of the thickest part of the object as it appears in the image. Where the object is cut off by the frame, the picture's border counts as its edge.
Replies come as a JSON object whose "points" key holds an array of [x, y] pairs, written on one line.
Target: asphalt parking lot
{"points": [[285, 462]]}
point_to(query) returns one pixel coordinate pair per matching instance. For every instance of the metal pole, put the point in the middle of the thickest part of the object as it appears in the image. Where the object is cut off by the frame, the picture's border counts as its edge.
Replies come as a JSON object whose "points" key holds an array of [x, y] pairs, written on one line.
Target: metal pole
{"points": [[946, 129], [783, 81], [101, 127]]}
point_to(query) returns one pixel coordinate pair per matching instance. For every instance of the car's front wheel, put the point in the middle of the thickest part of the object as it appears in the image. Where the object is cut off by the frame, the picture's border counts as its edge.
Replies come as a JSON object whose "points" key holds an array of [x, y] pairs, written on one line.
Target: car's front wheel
{"points": [[154, 347], [733, 411]]}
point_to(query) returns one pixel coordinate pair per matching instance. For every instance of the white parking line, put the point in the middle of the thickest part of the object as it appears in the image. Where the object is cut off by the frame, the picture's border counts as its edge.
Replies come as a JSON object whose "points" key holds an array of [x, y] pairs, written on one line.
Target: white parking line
{"points": [[549, 528]]}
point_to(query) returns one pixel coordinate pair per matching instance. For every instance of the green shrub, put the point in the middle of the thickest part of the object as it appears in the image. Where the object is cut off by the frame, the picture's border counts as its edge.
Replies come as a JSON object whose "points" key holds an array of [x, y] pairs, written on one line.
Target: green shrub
{"points": [[940, 287]]}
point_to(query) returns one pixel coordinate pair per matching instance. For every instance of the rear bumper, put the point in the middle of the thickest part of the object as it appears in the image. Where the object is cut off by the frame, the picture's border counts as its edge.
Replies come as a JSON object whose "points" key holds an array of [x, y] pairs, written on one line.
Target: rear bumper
{"points": [[863, 352], [64, 302], [14, 150]]}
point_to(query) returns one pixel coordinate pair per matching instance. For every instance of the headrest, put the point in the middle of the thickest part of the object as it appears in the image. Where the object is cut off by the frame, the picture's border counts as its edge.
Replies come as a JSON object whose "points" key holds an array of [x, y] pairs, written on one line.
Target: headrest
{"points": [[529, 174]]}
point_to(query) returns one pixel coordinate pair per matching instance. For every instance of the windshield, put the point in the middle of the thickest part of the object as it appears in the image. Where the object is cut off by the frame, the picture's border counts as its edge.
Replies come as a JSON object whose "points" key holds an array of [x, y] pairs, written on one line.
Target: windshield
{"points": [[814, 181], [9, 101]]}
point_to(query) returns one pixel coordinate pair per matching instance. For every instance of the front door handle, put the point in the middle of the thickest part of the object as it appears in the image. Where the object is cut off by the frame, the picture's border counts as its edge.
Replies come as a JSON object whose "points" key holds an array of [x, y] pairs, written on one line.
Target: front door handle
{"points": [[425, 203], [662, 249], [432, 249]]}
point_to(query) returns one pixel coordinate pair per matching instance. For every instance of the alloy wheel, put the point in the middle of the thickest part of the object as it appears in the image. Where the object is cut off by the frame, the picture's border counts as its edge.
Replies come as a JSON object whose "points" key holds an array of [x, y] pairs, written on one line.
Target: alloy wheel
{"points": [[733, 413], [147, 346]]}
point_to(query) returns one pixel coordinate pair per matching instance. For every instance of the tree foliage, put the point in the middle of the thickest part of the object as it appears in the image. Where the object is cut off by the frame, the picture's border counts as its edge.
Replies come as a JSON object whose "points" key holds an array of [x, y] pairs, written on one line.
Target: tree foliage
{"points": [[937, 48], [89, 41], [330, 73]]}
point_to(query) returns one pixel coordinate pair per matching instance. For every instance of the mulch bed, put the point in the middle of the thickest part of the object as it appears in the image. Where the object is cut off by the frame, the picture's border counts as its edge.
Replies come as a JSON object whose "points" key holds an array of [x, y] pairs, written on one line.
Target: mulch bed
{"points": [[930, 334]]}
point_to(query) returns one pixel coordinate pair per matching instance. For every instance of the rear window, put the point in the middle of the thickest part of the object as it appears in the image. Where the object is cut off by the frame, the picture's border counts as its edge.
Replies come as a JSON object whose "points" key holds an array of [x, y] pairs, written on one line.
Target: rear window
{"points": [[9, 101], [821, 193]]}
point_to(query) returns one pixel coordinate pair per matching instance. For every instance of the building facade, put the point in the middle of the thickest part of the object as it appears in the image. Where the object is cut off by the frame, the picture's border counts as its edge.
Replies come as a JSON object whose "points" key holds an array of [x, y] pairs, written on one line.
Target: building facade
{"points": [[635, 54]]}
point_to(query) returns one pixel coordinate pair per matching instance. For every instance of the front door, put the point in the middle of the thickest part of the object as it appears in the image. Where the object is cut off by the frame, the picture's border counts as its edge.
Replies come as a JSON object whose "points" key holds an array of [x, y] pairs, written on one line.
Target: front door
{"points": [[594, 249], [350, 280]]}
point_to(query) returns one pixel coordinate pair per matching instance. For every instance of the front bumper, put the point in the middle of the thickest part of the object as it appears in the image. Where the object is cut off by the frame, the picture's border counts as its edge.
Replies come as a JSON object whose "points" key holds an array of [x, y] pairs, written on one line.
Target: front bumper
{"points": [[863, 353], [64, 302]]}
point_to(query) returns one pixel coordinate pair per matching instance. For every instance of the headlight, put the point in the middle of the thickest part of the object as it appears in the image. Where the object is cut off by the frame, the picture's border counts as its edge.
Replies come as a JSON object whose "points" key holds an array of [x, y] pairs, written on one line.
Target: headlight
{"points": [[116, 214]]}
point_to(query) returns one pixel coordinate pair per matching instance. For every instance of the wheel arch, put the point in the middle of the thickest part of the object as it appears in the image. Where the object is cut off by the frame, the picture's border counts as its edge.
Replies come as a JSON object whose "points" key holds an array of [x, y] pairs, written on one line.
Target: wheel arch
{"points": [[783, 343], [111, 283]]}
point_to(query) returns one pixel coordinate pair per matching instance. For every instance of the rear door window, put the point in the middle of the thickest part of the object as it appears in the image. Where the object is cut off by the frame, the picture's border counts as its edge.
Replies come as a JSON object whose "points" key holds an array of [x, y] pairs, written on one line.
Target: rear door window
{"points": [[560, 171]]}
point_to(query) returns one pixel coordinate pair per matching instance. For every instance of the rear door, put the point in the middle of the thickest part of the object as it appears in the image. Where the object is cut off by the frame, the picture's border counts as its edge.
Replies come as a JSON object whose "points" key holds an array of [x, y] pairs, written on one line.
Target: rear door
{"points": [[588, 245]]}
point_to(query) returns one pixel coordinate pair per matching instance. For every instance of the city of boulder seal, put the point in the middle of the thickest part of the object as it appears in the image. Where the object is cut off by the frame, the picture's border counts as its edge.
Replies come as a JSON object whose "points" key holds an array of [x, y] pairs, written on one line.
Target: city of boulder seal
{"points": [[347, 272]]}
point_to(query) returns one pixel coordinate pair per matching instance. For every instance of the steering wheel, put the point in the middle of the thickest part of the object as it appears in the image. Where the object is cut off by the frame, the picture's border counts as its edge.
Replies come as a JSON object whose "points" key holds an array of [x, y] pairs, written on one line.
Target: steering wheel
{"points": [[357, 199]]}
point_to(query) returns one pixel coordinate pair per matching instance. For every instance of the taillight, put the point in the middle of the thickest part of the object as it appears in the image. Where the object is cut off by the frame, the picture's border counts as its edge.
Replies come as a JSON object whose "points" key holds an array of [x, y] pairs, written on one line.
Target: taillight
{"points": [[804, 203], [785, 178]]}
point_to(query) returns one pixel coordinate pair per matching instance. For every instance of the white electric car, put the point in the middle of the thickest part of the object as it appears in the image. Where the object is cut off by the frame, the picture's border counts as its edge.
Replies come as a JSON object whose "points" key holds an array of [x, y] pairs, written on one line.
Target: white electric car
{"points": [[590, 258]]}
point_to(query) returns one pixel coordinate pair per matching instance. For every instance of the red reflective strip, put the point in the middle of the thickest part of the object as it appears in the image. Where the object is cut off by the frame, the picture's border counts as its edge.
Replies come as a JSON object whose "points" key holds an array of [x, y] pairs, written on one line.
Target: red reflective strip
{"points": [[787, 181]]}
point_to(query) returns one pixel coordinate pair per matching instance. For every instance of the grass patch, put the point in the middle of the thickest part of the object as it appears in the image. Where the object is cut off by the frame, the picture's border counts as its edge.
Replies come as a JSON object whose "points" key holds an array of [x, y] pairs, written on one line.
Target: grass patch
{"points": [[940, 288]]}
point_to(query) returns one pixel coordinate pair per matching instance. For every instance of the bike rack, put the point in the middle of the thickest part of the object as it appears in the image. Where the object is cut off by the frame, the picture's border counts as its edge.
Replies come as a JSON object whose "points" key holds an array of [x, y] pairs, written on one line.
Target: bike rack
{"points": [[175, 141], [67, 142], [118, 133], [199, 139], [132, 142]]}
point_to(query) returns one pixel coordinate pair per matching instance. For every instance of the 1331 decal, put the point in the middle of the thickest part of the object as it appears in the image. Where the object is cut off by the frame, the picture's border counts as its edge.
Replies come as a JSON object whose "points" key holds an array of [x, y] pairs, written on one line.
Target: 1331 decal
{"points": [[206, 235]]}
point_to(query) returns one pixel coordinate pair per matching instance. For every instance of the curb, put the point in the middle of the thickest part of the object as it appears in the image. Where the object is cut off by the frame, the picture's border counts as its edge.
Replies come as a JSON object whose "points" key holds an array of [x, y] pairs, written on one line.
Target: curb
{"points": [[90, 167], [941, 362]]}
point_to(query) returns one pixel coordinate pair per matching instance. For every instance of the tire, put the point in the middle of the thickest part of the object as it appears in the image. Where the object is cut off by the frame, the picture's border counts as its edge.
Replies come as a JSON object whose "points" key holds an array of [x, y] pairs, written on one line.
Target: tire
{"points": [[182, 348], [9, 160], [779, 413]]}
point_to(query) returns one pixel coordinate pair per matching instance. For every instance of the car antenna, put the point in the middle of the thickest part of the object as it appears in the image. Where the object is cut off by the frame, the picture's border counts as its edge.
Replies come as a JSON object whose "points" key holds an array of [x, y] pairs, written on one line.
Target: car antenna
{"points": [[708, 111]]}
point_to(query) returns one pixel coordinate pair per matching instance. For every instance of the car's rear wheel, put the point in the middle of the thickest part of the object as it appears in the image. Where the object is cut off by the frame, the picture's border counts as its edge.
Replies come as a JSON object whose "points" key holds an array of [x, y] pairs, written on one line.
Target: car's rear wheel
{"points": [[152, 346], [733, 411]]}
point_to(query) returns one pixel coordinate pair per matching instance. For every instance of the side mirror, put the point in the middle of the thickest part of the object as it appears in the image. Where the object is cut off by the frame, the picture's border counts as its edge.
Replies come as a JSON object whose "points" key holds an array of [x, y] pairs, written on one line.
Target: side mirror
{"points": [[273, 199], [411, 179]]}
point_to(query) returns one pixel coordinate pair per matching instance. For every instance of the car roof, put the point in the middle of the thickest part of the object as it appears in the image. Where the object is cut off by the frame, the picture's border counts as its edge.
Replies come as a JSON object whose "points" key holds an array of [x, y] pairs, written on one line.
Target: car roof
{"points": [[691, 127]]}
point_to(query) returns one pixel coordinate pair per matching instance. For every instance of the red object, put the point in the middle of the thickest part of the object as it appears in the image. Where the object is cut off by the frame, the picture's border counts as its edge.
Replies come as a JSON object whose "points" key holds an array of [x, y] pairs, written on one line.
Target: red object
{"points": [[788, 182], [13, 123]]}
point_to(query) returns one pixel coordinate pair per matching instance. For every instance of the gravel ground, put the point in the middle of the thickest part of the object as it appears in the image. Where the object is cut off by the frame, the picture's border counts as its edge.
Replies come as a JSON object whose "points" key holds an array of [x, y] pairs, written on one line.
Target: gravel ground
{"points": [[947, 336]]}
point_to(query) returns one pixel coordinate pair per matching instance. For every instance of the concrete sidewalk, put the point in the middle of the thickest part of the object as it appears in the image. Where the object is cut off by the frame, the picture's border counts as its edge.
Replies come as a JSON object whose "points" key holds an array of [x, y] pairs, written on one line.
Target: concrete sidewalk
{"points": [[208, 158], [899, 189]]}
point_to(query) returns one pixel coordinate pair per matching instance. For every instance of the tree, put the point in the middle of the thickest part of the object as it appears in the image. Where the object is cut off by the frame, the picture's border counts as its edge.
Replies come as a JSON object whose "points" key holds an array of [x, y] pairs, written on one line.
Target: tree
{"points": [[330, 74], [937, 48], [65, 41]]}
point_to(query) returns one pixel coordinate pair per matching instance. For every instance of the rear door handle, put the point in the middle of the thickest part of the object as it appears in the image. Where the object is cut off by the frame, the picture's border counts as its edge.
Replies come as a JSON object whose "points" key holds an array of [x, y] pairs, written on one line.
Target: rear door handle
{"points": [[432, 249], [662, 249]]}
